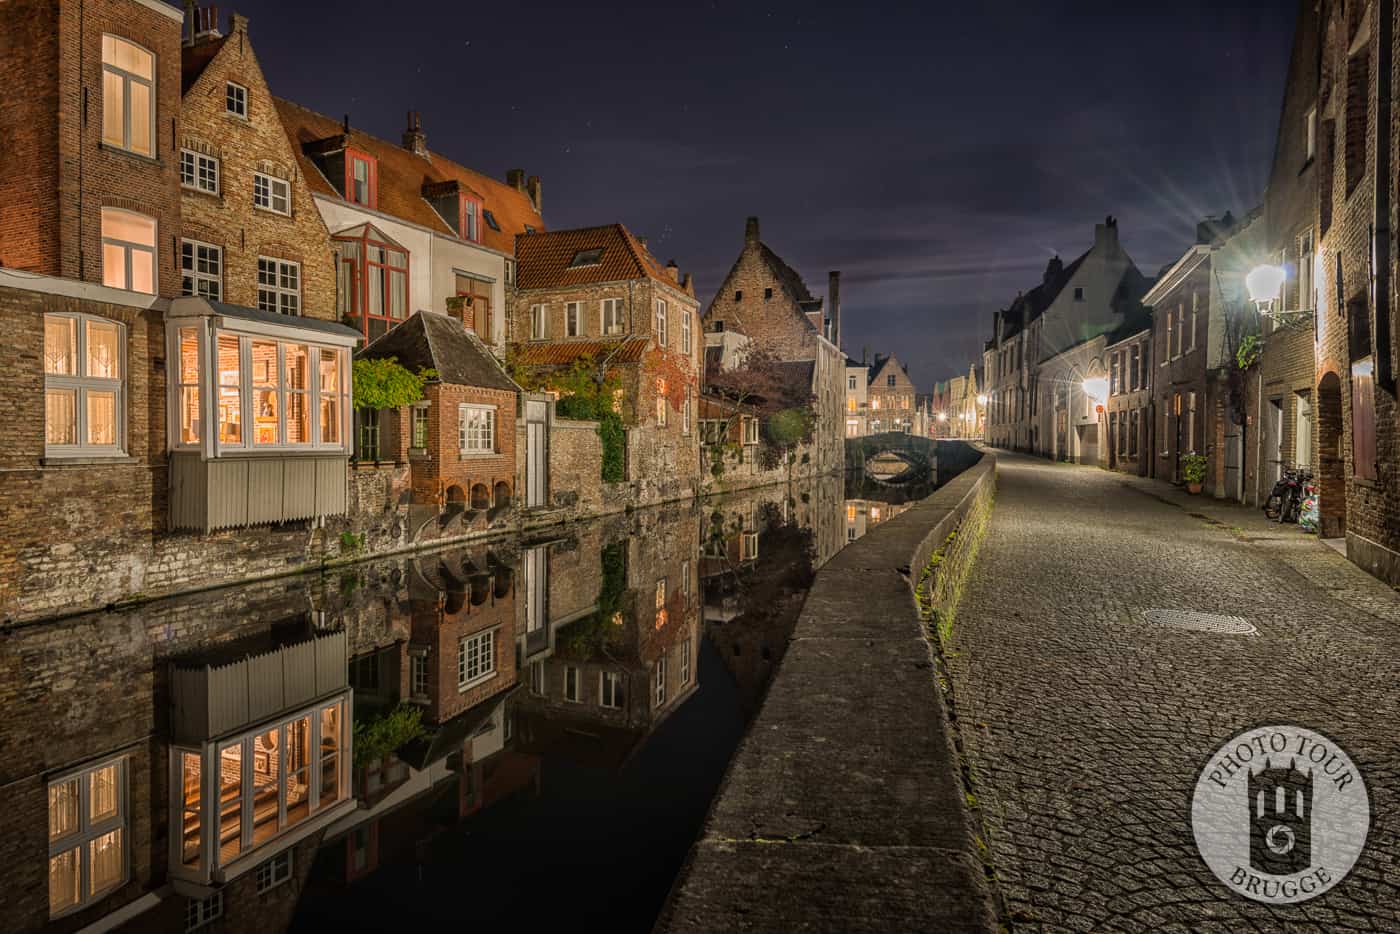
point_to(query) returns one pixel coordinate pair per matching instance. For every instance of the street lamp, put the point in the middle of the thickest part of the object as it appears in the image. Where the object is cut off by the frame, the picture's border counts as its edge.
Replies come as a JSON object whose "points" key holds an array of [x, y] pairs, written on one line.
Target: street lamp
{"points": [[1264, 284], [982, 399], [1096, 388], [942, 416]]}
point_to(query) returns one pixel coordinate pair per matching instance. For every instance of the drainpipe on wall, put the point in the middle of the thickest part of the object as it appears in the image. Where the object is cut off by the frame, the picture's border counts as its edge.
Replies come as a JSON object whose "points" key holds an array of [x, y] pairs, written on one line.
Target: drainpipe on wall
{"points": [[1259, 442], [1385, 373]]}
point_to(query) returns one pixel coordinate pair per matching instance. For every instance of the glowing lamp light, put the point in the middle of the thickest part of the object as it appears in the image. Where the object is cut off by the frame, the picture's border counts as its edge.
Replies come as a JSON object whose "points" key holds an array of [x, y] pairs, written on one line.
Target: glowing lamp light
{"points": [[1264, 283], [1096, 389], [942, 416], [982, 399]]}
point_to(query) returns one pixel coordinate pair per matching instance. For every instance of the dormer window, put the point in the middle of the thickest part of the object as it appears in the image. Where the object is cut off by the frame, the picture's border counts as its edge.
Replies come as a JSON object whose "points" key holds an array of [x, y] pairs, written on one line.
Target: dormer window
{"points": [[361, 178], [586, 258], [471, 219]]}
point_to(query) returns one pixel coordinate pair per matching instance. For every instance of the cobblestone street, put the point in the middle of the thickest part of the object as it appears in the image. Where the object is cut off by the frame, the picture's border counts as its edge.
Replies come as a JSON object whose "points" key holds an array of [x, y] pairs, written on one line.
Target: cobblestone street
{"points": [[1086, 727]]}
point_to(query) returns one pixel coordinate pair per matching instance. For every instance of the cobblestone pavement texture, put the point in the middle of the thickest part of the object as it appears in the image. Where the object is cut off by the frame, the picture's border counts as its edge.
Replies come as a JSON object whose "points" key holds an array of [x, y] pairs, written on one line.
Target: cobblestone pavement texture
{"points": [[1086, 728]]}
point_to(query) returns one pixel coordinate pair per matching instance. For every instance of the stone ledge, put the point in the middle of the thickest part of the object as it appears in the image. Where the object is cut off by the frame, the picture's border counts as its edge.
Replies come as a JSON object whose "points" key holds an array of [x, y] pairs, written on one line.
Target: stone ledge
{"points": [[843, 808]]}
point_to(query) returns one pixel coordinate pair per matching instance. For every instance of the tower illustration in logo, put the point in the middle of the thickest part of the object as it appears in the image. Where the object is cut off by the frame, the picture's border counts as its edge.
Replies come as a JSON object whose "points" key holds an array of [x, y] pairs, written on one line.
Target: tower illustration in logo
{"points": [[1280, 820]]}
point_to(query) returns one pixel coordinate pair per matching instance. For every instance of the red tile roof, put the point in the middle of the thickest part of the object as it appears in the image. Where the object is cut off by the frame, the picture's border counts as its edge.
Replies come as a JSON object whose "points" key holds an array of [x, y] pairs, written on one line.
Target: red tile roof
{"points": [[543, 259], [402, 175], [563, 353]]}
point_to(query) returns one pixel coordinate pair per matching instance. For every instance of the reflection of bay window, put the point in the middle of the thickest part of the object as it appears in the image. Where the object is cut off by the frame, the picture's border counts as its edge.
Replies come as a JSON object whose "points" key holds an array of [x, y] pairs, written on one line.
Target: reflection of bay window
{"points": [[371, 279], [84, 385], [233, 795], [267, 392], [87, 835]]}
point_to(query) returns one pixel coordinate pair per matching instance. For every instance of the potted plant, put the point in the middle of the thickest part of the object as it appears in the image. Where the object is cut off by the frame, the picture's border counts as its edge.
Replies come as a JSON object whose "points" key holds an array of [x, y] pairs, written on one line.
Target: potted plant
{"points": [[1193, 471]]}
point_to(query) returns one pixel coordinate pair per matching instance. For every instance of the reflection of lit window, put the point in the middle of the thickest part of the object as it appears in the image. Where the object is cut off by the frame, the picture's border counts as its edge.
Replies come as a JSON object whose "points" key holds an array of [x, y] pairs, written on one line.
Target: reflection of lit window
{"points": [[476, 658], [610, 689], [874, 512], [661, 403], [418, 673], [661, 603], [274, 871], [537, 678], [659, 681], [851, 511], [750, 430], [685, 663], [571, 683], [87, 835], [748, 546], [201, 911]]}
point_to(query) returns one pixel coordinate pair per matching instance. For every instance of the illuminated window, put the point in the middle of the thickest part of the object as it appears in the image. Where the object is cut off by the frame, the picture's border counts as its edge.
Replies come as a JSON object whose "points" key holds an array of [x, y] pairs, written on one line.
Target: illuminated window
{"points": [[611, 316], [87, 835], [128, 96], [748, 546], [661, 404], [685, 413], [661, 321], [539, 322], [685, 332], [128, 250], [476, 659], [571, 318], [372, 279], [84, 385]]}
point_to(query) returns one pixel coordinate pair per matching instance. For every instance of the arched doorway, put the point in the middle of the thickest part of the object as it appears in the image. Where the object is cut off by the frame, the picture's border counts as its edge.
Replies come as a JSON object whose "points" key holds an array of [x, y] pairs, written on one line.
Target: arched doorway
{"points": [[1331, 476]]}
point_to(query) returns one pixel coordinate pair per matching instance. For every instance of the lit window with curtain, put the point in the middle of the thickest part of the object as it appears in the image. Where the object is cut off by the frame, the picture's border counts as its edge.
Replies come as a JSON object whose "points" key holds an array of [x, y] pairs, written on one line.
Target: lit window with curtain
{"points": [[88, 855], [128, 96], [128, 250], [84, 385]]}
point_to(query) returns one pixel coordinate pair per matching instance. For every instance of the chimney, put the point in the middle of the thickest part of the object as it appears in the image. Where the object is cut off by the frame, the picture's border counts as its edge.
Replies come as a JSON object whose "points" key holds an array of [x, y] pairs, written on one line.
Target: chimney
{"points": [[751, 230], [685, 282], [515, 178], [202, 23], [833, 299], [414, 139], [459, 308], [532, 188], [864, 354], [1053, 269], [643, 242], [675, 270], [1106, 234]]}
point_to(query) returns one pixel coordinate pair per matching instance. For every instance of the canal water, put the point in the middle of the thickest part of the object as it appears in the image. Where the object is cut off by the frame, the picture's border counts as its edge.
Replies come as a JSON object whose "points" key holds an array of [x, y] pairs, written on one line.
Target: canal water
{"points": [[539, 724]]}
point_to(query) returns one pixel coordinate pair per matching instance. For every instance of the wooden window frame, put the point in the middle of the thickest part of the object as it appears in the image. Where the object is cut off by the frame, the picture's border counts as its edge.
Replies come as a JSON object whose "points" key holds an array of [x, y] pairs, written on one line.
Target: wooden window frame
{"points": [[371, 178]]}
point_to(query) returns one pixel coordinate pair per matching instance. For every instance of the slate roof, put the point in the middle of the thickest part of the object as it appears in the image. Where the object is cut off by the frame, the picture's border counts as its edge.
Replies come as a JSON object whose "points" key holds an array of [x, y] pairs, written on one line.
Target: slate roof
{"points": [[402, 175], [195, 58], [543, 259], [435, 341], [562, 353]]}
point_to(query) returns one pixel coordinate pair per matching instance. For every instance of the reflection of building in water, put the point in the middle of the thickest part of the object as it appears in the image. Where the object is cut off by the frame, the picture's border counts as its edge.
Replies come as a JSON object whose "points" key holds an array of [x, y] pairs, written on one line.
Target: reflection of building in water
{"points": [[623, 611], [864, 514], [759, 550], [172, 760]]}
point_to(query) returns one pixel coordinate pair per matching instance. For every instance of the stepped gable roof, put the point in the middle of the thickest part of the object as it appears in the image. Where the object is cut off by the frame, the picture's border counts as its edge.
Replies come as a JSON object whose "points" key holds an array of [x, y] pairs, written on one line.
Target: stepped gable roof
{"points": [[403, 175], [429, 340], [587, 255]]}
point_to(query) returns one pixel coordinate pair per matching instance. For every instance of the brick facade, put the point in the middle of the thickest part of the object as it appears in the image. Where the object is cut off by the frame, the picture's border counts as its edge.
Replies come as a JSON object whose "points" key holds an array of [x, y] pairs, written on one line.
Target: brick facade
{"points": [[891, 406], [256, 143], [442, 472], [1180, 381], [1129, 406]]}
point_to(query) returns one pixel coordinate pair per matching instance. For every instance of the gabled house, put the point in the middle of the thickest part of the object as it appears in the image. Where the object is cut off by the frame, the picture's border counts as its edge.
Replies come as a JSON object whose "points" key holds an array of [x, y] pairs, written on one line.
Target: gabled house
{"points": [[459, 441], [765, 300], [892, 396], [597, 295], [410, 228], [857, 408]]}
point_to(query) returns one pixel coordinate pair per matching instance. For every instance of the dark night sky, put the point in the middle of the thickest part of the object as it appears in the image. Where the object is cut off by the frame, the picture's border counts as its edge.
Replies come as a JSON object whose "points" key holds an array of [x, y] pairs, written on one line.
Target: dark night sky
{"points": [[936, 153]]}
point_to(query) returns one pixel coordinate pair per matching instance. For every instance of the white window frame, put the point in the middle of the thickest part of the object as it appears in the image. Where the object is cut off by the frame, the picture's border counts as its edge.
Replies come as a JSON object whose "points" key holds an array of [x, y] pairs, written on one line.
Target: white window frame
{"points": [[573, 318], [685, 414], [80, 384], [712, 430], [610, 317], [200, 167], [1310, 134], [748, 546], [662, 320], [86, 831], [750, 425], [469, 445], [274, 871], [485, 668], [130, 248], [610, 690], [659, 682], [266, 196], [661, 403], [685, 662], [1307, 294], [573, 696], [194, 274], [271, 295], [236, 99], [128, 79], [418, 675], [685, 332], [202, 911], [539, 322]]}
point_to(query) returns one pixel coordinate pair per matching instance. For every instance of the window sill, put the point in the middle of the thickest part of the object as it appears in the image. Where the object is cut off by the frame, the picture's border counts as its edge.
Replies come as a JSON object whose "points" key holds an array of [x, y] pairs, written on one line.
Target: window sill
{"points": [[463, 687], [129, 153], [85, 460], [192, 190], [474, 455], [272, 211]]}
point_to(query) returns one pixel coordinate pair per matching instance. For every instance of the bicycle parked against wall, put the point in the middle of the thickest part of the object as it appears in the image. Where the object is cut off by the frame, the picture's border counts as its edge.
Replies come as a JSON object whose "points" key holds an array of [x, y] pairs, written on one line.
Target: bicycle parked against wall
{"points": [[1286, 500]]}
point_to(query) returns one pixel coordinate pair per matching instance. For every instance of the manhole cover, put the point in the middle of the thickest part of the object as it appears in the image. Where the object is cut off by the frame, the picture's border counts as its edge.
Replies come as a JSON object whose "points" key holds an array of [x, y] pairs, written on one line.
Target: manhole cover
{"points": [[1200, 622]]}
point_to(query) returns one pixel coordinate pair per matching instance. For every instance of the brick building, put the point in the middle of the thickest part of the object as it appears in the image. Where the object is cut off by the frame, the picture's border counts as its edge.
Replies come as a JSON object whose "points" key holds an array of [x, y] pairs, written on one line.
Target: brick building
{"points": [[1357, 437], [596, 295], [159, 413], [1285, 368], [1072, 303], [892, 396], [1129, 405], [460, 440], [765, 300], [410, 228], [857, 410]]}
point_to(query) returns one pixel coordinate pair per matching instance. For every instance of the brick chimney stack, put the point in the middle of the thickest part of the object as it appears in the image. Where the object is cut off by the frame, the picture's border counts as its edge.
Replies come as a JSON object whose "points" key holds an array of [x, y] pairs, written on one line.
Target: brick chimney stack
{"points": [[414, 139], [833, 298], [515, 178], [201, 23], [532, 188], [751, 230], [675, 270], [1106, 234]]}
